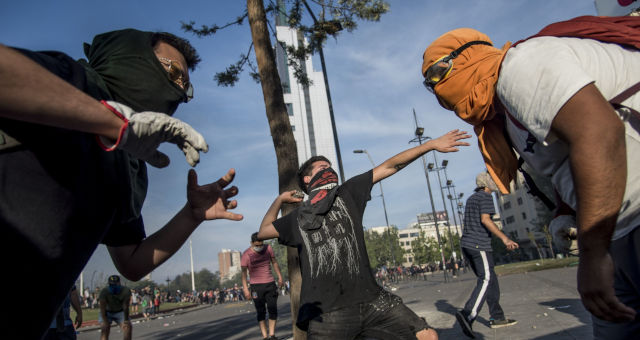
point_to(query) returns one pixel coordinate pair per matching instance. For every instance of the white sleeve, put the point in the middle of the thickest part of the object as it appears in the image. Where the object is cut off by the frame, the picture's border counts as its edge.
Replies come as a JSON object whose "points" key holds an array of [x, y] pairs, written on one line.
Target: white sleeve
{"points": [[537, 78]]}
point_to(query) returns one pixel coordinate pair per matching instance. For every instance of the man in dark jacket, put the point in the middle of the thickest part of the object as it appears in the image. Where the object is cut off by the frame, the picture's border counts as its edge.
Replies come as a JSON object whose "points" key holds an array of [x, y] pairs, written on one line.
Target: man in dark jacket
{"points": [[74, 140]]}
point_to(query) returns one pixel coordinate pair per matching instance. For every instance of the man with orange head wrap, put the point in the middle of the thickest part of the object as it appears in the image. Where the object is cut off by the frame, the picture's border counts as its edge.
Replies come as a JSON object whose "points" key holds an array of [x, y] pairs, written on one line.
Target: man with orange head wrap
{"points": [[554, 98]]}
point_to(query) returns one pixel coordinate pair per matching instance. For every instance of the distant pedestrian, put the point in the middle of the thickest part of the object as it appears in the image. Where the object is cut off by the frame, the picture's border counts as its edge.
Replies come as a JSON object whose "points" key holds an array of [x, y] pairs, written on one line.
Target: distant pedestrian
{"points": [[135, 299], [257, 261], [114, 306], [62, 327], [476, 247]]}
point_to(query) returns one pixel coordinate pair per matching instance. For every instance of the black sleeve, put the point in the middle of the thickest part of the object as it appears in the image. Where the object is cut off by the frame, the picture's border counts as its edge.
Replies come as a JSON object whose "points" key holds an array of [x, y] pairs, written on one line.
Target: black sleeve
{"points": [[59, 64], [287, 227], [123, 234], [359, 187]]}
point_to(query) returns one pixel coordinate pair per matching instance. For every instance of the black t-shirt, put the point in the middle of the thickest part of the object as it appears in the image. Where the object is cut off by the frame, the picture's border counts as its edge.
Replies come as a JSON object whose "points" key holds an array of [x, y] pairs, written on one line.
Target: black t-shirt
{"points": [[333, 259], [60, 196]]}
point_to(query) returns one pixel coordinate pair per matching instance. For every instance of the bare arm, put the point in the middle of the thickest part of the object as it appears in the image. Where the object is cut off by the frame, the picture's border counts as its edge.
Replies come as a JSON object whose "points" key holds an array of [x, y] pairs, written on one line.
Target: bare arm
{"points": [[245, 286], [103, 310], [276, 267], [597, 155], [493, 228], [75, 304], [30, 93], [445, 143], [206, 202], [267, 230]]}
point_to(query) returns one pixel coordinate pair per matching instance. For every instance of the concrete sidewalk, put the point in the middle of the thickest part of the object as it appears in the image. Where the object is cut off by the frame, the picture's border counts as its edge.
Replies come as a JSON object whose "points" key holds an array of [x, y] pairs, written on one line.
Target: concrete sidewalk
{"points": [[546, 305]]}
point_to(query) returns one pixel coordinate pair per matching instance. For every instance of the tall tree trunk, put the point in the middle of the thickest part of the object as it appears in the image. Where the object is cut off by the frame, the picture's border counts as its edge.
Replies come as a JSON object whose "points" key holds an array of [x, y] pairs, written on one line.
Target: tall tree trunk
{"points": [[281, 133]]}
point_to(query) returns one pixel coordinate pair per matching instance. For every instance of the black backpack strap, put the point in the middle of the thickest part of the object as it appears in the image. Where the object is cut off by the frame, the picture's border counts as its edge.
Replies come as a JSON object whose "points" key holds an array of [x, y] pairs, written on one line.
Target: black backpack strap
{"points": [[533, 188]]}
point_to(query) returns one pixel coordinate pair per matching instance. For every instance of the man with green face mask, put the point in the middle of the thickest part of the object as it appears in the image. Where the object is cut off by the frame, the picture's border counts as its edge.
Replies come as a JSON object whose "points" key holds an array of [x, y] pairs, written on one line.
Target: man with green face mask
{"points": [[75, 137]]}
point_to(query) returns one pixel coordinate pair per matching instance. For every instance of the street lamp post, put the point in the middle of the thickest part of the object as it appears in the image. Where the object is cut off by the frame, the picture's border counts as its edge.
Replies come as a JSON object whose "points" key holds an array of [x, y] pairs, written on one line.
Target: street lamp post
{"points": [[419, 138], [193, 281], [384, 207], [437, 169]]}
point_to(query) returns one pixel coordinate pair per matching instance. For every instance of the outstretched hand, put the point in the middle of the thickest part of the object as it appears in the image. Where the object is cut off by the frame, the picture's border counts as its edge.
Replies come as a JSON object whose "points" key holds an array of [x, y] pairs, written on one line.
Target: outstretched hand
{"points": [[211, 201], [450, 141]]}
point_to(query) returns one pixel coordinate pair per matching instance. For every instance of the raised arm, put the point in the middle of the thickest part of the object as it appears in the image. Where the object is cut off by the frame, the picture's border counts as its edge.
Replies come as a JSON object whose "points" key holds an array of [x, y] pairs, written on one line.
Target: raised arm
{"points": [[206, 202], [267, 230], [597, 155], [445, 143]]}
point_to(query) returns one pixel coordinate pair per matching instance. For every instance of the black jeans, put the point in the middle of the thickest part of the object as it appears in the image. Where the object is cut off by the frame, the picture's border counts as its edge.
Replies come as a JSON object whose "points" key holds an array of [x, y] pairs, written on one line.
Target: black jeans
{"points": [[265, 294], [487, 287], [385, 318]]}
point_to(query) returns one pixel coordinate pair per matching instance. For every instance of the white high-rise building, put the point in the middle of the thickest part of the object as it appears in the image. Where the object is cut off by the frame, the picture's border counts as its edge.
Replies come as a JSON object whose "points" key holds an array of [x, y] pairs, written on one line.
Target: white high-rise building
{"points": [[307, 106]]}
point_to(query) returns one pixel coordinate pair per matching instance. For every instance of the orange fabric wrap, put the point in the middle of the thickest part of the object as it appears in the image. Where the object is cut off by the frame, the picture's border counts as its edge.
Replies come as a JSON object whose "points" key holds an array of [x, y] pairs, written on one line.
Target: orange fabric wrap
{"points": [[469, 91]]}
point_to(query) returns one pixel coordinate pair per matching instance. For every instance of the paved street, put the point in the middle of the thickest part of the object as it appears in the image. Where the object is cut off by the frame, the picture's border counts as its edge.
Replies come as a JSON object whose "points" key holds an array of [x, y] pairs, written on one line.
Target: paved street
{"points": [[545, 304]]}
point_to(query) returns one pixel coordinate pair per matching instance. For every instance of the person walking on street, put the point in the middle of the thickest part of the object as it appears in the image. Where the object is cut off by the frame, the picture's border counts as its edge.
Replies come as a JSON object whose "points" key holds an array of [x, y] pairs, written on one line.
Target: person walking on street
{"points": [[476, 247], [114, 306], [257, 261], [339, 297]]}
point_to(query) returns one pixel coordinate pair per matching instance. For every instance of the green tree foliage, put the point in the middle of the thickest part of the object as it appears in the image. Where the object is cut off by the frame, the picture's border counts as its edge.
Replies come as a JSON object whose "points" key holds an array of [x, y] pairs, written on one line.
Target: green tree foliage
{"points": [[327, 19], [447, 245], [137, 285], [236, 279], [378, 248], [203, 279], [425, 249]]}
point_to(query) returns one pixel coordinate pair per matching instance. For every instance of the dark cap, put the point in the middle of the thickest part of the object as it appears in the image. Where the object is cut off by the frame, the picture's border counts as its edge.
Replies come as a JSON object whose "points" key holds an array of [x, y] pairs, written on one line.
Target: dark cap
{"points": [[114, 280]]}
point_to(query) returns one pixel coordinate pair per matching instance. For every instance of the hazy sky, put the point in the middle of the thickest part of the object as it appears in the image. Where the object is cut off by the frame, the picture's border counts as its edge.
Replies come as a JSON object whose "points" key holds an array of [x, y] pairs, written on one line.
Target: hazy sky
{"points": [[375, 81]]}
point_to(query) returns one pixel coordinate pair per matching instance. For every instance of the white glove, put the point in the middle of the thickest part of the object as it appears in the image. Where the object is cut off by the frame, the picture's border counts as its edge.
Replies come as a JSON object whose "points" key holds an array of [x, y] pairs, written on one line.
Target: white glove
{"points": [[143, 132], [565, 233]]}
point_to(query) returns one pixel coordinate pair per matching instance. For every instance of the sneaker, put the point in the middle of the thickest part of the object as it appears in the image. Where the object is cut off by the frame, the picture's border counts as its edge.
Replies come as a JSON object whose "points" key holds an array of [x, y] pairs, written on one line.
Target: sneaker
{"points": [[273, 337], [502, 323], [465, 325]]}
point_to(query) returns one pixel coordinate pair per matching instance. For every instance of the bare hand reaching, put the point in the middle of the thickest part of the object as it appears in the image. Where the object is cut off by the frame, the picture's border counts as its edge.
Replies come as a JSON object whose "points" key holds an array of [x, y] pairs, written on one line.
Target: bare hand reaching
{"points": [[450, 141], [211, 201]]}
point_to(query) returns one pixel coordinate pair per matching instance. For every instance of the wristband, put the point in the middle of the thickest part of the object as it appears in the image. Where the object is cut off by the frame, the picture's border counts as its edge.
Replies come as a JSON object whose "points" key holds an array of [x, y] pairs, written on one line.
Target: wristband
{"points": [[104, 142]]}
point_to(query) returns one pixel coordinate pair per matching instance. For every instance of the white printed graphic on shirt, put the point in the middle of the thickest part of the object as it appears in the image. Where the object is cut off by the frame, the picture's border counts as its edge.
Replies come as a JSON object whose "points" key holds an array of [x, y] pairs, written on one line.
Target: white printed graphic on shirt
{"points": [[333, 246]]}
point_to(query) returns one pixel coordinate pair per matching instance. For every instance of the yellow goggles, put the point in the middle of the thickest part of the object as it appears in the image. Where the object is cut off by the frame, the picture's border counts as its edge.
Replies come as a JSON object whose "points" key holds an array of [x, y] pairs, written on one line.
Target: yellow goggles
{"points": [[442, 67]]}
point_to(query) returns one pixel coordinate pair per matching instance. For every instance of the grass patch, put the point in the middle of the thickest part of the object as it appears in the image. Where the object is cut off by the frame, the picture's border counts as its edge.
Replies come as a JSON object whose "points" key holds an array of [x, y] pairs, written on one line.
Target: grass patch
{"points": [[535, 265]]}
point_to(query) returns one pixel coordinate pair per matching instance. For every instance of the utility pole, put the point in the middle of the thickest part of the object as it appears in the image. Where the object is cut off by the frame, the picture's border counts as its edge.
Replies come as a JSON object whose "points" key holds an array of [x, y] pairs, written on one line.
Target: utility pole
{"points": [[193, 279], [419, 138]]}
